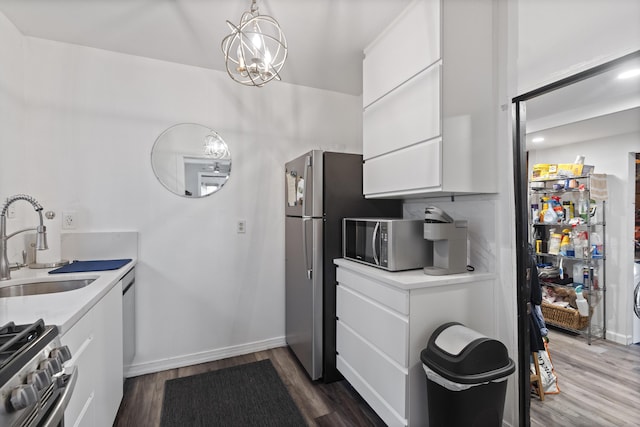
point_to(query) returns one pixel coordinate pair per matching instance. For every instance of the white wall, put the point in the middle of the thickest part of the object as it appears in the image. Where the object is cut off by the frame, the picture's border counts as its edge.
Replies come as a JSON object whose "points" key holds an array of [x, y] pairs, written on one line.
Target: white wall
{"points": [[11, 107], [610, 156], [92, 117], [561, 38]]}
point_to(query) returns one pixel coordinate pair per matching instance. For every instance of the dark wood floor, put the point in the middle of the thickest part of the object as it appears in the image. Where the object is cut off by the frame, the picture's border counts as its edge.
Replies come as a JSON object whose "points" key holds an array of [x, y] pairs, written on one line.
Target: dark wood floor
{"points": [[599, 385], [335, 404]]}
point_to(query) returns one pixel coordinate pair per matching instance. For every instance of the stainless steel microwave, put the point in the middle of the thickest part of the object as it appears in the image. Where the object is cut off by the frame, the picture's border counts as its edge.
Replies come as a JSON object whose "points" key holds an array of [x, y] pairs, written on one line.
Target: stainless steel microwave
{"points": [[391, 244]]}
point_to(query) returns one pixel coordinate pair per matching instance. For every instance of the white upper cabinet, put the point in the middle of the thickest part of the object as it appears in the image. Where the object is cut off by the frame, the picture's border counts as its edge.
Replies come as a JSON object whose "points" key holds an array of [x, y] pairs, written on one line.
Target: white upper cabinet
{"points": [[414, 108], [402, 50], [430, 102]]}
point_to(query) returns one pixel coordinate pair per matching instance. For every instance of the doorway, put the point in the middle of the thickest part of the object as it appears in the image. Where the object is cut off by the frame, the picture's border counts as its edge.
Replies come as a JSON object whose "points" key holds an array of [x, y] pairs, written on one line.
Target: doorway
{"points": [[580, 103], [636, 253]]}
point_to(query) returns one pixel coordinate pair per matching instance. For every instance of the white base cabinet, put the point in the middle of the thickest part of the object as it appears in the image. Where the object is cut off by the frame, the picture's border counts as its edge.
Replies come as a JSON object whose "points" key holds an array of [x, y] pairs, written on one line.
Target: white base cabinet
{"points": [[95, 342], [382, 328]]}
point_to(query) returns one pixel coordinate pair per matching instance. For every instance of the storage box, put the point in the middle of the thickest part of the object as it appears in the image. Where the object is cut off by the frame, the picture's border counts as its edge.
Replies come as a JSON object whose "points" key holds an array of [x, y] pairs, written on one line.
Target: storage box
{"points": [[572, 169], [561, 170], [542, 171]]}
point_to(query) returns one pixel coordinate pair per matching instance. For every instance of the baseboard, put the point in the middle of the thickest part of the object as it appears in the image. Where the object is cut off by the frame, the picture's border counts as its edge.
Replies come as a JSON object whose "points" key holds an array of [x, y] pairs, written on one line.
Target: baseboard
{"points": [[619, 338], [137, 369]]}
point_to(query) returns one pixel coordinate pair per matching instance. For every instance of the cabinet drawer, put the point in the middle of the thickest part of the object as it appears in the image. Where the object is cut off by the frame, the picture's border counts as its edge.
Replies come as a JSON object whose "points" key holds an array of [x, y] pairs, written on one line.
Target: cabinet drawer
{"points": [[382, 375], [393, 298], [408, 45], [80, 404], [380, 326], [406, 116], [411, 170], [373, 399]]}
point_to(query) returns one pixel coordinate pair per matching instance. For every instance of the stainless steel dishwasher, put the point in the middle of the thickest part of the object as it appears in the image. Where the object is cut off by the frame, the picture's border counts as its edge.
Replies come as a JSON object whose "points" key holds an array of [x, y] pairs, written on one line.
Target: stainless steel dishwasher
{"points": [[128, 317]]}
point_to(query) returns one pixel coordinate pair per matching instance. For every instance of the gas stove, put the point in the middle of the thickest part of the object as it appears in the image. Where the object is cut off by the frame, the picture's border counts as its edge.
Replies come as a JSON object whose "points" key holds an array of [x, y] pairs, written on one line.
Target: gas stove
{"points": [[35, 384]]}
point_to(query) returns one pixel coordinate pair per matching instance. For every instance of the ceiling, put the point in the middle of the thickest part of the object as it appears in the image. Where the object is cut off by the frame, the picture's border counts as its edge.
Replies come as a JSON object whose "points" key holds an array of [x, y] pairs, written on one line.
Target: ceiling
{"points": [[599, 107], [325, 37]]}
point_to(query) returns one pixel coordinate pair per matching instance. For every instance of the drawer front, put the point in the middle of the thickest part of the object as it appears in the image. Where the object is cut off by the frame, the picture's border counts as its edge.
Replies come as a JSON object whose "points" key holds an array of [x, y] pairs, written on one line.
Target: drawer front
{"points": [[383, 376], [406, 116], [381, 408], [80, 405], [395, 299], [384, 329], [409, 44], [411, 170]]}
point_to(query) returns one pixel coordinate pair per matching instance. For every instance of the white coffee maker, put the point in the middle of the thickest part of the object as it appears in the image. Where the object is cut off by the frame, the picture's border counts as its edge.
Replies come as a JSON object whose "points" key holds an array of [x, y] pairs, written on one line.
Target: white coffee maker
{"points": [[449, 239]]}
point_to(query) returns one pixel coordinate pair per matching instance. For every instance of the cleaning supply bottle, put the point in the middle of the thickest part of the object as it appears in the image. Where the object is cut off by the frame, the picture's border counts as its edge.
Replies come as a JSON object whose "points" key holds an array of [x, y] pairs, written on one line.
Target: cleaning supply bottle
{"points": [[569, 213], [596, 246], [583, 208], [566, 246], [581, 244], [581, 302], [548, 215], [554, 241], [557, 208]]}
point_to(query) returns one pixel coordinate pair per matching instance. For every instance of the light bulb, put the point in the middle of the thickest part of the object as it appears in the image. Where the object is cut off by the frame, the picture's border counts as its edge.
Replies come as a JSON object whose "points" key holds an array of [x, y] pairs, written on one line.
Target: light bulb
{"points": [[256, 40], [241, 64]]}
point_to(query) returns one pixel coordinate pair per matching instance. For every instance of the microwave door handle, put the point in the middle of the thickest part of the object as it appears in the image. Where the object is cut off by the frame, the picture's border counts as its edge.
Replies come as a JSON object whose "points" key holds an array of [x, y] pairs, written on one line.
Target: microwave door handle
{"points": [[309, 271], [307, 166], [374, 240]]}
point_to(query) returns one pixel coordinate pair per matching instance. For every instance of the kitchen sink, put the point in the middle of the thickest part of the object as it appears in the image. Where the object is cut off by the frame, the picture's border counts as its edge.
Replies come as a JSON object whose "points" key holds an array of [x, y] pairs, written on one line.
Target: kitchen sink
{"points": [[44, 287]]}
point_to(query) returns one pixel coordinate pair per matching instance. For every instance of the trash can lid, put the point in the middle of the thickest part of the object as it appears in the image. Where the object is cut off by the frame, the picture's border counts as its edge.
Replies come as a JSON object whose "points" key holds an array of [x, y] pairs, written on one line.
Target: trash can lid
{"points": [[463, 355]]}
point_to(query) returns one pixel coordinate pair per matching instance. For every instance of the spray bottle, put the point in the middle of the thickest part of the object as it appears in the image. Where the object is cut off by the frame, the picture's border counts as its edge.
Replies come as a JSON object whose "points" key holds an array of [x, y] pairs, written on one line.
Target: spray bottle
{"points": [[581, 302]]}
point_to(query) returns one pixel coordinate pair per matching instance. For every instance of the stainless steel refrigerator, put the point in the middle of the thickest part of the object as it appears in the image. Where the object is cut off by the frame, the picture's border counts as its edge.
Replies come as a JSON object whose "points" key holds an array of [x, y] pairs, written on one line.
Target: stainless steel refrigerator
{"points": [[321, 188]]}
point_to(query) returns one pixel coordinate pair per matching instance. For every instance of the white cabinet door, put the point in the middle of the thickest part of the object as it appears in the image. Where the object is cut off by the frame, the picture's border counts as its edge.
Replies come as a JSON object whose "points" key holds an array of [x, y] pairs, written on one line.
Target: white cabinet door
{"points": [[410, 44], [404, 172], [109, 365], [406, 116]]}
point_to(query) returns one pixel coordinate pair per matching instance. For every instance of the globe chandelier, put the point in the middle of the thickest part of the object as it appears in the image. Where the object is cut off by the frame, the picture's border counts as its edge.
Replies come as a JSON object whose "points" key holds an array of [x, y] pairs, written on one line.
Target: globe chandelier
{"points": [[256, 49], [214, 146]]}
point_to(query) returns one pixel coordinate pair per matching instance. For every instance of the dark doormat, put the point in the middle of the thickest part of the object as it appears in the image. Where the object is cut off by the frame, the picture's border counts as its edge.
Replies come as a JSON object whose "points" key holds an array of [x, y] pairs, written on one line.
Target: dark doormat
{"points": [[246, 395]]}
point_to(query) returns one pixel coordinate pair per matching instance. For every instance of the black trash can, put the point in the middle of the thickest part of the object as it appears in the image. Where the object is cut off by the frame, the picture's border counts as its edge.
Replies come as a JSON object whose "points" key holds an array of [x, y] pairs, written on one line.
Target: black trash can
{"points": [[466, 377]]}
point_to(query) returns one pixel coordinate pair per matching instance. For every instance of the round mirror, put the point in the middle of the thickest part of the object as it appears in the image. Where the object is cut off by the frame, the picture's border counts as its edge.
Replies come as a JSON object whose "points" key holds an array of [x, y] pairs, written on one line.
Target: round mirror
{"points": [[191, 160]]}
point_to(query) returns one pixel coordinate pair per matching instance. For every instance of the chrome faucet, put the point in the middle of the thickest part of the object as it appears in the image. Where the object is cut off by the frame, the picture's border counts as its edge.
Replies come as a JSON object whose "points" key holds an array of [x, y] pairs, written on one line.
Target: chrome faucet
{"points": [[41, 236]]}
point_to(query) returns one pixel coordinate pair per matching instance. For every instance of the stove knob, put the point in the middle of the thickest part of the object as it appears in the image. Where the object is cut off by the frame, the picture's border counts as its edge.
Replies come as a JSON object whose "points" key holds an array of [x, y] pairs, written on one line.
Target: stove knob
{"points": [[61, 353], [40, 378], [23, 396], [51, 365]]}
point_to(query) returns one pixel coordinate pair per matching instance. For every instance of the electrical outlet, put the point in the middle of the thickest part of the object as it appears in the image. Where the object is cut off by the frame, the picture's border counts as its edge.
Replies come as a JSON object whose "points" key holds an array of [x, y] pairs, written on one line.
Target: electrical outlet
{"points": [[69, 220], [242, 226]]}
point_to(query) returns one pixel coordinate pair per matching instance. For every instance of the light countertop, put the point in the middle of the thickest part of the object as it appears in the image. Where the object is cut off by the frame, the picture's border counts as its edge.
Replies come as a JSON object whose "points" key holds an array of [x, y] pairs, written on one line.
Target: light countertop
{"points": [[63, 309], [412, 279]]}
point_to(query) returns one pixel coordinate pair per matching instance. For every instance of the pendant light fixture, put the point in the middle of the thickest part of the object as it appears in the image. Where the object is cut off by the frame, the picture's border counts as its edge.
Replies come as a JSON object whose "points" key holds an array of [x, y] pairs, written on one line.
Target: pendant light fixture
{"points": [[256, 49]]}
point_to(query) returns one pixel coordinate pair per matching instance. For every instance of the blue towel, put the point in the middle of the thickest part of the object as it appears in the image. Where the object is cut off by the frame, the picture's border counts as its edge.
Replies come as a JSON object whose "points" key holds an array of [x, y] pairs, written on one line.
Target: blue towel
{"points": [[96, 265]]}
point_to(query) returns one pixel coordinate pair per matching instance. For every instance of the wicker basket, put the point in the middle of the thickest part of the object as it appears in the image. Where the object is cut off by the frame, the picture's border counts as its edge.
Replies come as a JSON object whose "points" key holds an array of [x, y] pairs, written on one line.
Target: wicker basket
{"points": [[563, 317]]}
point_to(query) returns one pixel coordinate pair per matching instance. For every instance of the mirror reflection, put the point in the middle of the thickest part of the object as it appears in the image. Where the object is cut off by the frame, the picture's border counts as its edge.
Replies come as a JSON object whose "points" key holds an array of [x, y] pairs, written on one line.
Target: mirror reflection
{"points": [[191, 160]]}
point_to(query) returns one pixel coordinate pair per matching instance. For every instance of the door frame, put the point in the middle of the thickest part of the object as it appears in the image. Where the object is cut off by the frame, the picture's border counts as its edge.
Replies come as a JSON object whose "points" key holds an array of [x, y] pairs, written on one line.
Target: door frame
{"points": [[519, 113]]}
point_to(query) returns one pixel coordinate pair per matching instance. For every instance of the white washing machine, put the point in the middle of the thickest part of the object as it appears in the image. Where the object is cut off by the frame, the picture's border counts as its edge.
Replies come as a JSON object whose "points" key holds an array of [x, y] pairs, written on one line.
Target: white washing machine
{"points": [[636, 302]]}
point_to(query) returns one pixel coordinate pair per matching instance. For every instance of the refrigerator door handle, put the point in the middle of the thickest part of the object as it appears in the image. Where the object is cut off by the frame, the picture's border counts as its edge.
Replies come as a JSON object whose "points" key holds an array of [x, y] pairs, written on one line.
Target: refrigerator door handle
{"points": [[374, 240], [307, 166], [305, 253]]}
